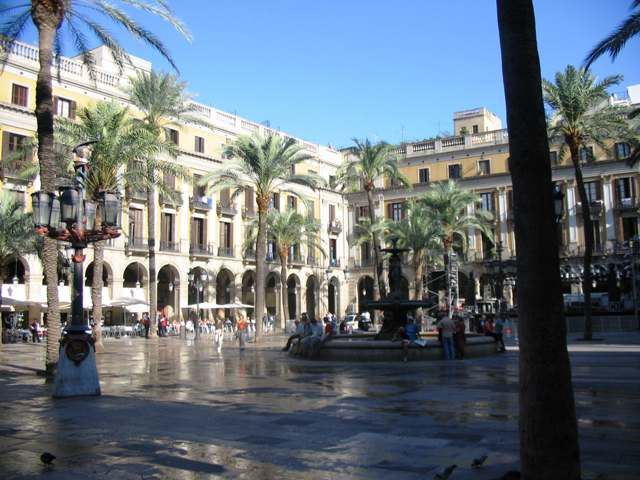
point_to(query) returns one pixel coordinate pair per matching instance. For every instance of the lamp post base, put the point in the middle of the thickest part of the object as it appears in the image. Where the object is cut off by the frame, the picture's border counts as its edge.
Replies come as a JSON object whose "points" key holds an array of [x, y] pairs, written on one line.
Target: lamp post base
{"points": [[77, 374]]}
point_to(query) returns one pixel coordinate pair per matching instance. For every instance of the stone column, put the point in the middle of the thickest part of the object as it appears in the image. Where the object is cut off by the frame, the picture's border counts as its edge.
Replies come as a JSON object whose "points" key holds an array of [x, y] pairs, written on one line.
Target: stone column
{"points": [[571, 210], [471, 233], [607, 200], [502, 218]]}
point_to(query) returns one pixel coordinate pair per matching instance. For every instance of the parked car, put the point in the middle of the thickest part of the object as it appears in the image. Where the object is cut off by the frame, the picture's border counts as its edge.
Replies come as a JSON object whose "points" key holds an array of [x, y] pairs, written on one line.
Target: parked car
{"points": [[349, 324], [364, 323]]}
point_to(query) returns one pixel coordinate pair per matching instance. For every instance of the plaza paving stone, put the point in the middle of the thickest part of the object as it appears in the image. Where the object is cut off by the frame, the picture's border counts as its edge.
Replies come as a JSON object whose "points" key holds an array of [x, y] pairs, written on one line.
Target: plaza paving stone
{"points": [[176, 409]]}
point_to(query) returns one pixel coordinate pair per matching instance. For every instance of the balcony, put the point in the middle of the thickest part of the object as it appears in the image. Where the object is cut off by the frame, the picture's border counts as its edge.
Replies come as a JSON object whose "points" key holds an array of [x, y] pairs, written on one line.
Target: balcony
{"points": [[249, 255], [200, 203], [137, 244], [334, 262], [136, 195], [271, 257], [226, 209], [312, 261], [335, 227], [364, 263], [595, 208], [166, 246], [201, 250], [627, 204], [174, 200], [249, 213], [226, 252]]}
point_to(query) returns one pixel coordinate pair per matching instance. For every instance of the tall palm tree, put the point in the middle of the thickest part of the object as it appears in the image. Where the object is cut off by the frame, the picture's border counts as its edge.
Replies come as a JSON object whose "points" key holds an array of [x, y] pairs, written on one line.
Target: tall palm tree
{"points": [[118, 161], [420, 233], [17, 236], [162, 99], [267, 164], [51, 18], [288, 229], [578, 119], [547, 420], [366, 163], [446, 205]]}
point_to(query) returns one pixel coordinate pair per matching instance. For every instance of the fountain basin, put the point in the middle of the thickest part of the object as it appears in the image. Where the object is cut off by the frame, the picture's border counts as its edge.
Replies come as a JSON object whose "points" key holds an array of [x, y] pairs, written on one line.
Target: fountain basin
{"points": [[365, 349]]}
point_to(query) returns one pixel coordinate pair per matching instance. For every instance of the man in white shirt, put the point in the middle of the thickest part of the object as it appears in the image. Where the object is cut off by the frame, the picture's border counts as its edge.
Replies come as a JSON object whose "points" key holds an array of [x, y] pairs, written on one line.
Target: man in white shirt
{"points": [[448, 327]]}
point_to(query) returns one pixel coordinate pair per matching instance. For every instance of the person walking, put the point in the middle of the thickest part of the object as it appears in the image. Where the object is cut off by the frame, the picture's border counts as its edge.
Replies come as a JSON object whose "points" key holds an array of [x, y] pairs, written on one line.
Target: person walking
{"points": [[146, 323], [498, 329], [241, 326], [447, 327], [459, 337]]}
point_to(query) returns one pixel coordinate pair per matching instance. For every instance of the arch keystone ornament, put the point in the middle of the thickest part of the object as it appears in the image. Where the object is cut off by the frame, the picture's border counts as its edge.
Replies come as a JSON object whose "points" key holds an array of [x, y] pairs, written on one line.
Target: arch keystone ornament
{"points": [[69, 217]]}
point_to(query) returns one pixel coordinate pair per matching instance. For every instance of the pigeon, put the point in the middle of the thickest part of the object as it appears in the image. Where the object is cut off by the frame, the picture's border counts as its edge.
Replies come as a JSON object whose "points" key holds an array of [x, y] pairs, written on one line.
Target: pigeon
{"points": [[47, 458], [446, 473], [478, 462]]}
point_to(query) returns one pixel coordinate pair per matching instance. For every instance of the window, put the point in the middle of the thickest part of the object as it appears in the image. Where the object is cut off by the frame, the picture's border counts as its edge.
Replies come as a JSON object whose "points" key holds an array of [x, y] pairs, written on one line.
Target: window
{"points": [[395, 211], [172, 135], [292, 203], [486, 201], [275, 201], [198, 232], [199, 144], [168, 226], [625, 188], [365, 251], [199, 190], [225, 197], [135, 223], [249, 200], [311, 208], [423, 175], [271, 250], [484, 167], [629, 228], [332, 181], [19, 95], [593, 192], [15, 142], [293, 169], [63, 107], [623, 150], [226, 235], [475, 128], [586, 154], [455, 171], [14, 158], [333, 251], [169, 180], [553, 158], [332, 213], [363, 212]]}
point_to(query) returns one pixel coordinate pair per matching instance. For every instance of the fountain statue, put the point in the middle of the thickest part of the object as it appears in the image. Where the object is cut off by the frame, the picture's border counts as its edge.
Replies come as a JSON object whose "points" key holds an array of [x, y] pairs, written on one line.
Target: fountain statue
{"points": [[395, 305]]}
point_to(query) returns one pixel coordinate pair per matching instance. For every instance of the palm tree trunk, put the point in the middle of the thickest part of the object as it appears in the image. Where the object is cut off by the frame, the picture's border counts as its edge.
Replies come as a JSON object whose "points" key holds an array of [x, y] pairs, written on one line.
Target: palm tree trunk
{"points": [[47, 25], [379, 289], [587, 227], [284, 291], [96, 292], [417, 269], [548, 428], [261, 266], [153, 277], [445, 257]]}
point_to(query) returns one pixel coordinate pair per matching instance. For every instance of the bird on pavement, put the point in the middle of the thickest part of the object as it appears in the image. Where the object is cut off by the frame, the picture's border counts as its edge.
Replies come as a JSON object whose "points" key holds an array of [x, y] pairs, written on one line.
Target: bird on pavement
{"points": [[478, 462], [446, 473], [47, 458]]}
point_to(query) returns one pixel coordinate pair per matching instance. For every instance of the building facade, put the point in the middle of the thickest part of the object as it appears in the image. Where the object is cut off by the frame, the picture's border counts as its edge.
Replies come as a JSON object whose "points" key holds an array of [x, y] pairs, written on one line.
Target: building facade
{"points": [[207, 231], [201, 230]]}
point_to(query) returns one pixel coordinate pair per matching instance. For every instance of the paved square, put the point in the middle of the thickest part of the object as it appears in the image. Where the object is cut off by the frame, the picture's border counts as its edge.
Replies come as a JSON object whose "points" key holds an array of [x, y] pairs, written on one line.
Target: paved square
{"points": [[172, 409]]}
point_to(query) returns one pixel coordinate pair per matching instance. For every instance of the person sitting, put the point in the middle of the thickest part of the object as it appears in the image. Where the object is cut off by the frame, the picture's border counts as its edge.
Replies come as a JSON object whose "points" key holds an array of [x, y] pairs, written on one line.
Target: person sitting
{"points": [[301, 328], [409, 336], [311, 343]]}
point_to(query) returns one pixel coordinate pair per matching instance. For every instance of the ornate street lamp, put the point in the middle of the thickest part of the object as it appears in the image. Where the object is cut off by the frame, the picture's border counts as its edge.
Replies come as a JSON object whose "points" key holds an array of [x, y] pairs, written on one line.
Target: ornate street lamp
{"points": [[68, 217], [198, 280]]}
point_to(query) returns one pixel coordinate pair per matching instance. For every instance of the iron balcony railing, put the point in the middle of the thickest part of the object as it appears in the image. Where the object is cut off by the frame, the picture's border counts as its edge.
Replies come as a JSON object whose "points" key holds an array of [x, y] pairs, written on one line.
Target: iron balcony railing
{"points": [[200, 203], [167, 246], [137, 243], [226, 209], [225, 252], [203, 249]]}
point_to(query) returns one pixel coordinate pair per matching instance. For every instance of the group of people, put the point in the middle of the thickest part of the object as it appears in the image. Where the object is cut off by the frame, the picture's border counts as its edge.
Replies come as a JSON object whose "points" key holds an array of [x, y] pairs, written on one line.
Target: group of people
{"points": [[310, 335]]}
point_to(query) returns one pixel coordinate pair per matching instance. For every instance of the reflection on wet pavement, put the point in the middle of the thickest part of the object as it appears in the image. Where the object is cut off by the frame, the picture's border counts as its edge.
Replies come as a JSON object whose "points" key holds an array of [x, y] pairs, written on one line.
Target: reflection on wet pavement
{"points": [[172, 409]]}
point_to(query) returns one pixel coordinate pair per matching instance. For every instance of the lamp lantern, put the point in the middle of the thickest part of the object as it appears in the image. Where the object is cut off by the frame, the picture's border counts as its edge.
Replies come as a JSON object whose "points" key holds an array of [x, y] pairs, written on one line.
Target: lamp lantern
{"points": [[191, 276], [42, 207], [54, 218], [90, 215], [69, 204], [109, 205]]}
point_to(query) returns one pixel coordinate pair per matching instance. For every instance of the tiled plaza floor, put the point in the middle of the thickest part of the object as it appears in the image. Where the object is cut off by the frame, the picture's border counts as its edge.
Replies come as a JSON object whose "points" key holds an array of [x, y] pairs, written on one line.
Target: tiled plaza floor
{"points": [[172, 409]]}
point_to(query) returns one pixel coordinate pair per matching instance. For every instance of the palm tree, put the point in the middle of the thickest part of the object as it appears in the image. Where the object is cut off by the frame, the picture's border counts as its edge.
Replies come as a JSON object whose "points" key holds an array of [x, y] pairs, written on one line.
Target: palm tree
{"points": [[287, 230], [266, 164], [366, 163], [163, 101], [446, 205], [17, 236], [421, 234], [614, 43], [547, 421], [51, 18], [117, 161], [578, 119]]}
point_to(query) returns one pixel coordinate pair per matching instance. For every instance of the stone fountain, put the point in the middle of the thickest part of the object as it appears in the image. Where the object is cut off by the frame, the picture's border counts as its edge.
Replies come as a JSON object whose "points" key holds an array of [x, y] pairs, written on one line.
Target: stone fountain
{"points": [[395, 306]]}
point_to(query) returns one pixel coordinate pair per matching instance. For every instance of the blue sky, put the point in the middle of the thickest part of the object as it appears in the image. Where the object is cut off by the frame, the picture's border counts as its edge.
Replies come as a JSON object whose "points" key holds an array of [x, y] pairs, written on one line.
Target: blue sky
{"points": [[331, 70]]}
